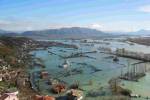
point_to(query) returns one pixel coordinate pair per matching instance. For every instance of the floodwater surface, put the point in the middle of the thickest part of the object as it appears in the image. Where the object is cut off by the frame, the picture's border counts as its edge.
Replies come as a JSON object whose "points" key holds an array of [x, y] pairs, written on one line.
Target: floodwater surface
{"points": [[107, 68]]}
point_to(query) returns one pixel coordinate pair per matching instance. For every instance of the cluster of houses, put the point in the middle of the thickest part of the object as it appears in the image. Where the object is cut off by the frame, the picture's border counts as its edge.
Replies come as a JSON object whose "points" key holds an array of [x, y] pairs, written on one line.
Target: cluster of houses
{"points": [[105, 49], [126, 53], [3, 70], [137, 55], [11, 77], [8, 75]]}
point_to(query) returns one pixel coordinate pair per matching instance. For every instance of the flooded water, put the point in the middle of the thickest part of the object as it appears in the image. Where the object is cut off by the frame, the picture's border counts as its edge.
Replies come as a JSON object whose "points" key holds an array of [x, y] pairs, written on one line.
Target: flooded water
{"points": [[109, 68]]}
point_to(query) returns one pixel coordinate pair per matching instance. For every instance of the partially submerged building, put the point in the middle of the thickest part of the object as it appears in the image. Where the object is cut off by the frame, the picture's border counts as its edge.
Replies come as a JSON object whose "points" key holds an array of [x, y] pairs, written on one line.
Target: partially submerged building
{"points": [[44, 74]]}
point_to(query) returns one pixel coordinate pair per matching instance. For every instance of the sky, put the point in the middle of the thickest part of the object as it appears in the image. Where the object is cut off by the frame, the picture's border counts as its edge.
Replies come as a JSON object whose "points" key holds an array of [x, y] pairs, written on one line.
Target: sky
{"points": [[105, 15]]}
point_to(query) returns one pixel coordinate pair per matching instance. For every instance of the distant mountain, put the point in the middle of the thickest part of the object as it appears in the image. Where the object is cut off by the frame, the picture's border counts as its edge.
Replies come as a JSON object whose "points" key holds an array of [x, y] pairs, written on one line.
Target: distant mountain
{"points": [[3, 31], [141, 32], [74, 32], [8, 33]]}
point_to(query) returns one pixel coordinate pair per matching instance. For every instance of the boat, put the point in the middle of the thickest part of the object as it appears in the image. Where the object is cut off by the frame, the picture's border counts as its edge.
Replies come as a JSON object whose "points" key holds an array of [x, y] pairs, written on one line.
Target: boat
{"points": [[65, 64], [115, 59], [134, 95]]}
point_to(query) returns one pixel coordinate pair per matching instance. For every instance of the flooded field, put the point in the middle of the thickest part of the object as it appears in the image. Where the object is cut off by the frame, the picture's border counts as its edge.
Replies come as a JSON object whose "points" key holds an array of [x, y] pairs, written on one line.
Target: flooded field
{"points": [[93, 70]]}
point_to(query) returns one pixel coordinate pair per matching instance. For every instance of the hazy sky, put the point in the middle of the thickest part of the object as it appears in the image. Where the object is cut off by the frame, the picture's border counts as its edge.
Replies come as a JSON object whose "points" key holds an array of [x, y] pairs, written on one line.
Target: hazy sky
{"points": [[107, 15]]}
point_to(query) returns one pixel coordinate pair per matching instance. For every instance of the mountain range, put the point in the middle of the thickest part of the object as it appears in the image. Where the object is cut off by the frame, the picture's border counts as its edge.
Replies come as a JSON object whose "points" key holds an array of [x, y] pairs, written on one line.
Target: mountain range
{"points": [[73, 32]]}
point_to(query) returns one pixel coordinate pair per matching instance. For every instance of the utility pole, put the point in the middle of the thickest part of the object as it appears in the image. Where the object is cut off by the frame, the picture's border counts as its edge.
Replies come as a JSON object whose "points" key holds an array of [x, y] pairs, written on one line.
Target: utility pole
{"points": [[145, 67], [128, 68], [121, 71]]}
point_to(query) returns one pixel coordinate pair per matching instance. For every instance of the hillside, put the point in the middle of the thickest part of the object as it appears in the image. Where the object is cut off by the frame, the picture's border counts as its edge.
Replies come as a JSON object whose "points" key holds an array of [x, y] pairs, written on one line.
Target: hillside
{"points": [[74, 32]]}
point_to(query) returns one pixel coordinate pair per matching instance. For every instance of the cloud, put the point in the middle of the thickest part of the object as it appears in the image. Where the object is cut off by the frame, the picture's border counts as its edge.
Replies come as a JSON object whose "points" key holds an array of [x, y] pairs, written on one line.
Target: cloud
{"points": [[126, 26], [121, 25], [96, 26], [29, 25], [3, 22], [15, 25], [145, 8]]}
